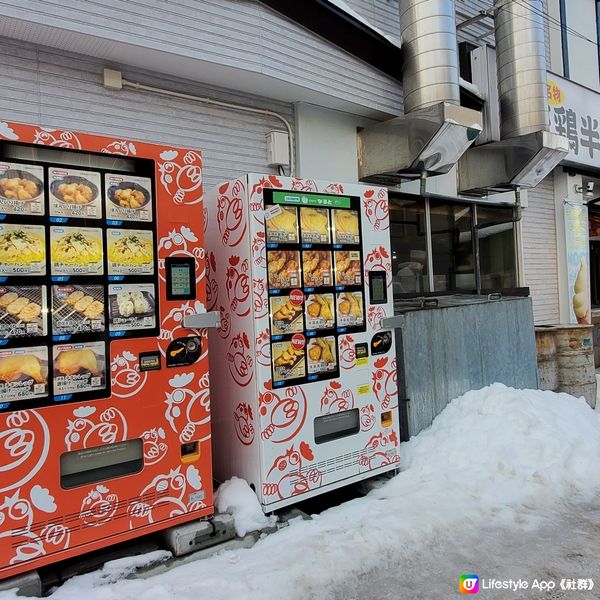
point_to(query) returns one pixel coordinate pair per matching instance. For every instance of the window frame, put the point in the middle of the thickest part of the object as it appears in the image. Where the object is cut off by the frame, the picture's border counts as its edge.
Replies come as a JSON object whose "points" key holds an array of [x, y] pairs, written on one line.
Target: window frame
{"points": [[473, 206]]}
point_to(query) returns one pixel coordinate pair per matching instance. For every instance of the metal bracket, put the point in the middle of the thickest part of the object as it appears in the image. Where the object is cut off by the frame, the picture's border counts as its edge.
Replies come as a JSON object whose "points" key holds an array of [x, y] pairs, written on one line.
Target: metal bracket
{"points": [[202, 320], [396, 322]]}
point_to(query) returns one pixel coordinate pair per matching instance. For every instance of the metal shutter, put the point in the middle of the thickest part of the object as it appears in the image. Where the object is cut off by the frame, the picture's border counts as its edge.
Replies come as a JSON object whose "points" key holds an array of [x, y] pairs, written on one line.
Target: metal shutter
{"points": [[539, 252]]}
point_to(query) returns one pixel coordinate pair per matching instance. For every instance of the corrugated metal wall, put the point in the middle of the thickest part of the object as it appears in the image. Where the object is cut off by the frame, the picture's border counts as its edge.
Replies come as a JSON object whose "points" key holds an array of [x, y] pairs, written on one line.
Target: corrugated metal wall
{"points": [[449, 351], [242, 34], [63, 90], [383, 14], [540, 252]]}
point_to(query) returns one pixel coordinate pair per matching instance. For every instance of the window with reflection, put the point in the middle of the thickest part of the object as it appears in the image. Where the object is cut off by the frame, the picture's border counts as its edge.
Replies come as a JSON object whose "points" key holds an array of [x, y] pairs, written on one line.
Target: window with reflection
{"points": [[409, 245], [496, 237], [452, 246], [471, 244]]}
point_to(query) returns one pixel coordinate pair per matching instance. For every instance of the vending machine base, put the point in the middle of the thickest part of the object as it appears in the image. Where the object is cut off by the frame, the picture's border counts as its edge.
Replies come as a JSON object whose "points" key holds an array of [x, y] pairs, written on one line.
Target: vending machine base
{"points": [[305, 397]]}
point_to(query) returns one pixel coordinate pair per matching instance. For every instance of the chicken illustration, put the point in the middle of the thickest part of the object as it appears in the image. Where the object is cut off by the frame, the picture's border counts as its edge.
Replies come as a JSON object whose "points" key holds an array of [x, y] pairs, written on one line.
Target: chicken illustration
{"points": [[70, 362], [13, 368]]}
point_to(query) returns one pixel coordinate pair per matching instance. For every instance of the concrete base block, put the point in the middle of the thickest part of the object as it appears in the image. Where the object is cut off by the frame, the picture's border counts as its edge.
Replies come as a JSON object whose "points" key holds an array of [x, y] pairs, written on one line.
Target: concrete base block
{"points": [[26, 584], [191, 537], [235, 544]]}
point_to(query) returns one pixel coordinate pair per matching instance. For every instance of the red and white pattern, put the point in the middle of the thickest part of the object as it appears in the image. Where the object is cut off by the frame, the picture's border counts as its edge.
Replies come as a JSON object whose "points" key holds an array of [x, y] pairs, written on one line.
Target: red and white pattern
{"points": [[268, 433], [163, 408]]}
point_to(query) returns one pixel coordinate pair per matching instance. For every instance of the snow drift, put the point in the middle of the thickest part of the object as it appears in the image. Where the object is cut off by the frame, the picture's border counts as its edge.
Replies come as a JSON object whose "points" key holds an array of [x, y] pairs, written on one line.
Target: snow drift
{"points": [[497, 455]]}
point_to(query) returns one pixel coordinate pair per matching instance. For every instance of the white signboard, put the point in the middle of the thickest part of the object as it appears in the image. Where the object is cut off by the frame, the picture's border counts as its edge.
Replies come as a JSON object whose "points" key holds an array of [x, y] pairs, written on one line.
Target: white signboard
{"points": [[575, 114]]}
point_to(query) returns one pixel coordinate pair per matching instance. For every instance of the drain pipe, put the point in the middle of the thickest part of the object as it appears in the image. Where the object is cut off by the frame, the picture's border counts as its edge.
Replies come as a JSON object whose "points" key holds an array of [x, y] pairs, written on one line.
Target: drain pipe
{"points": [[429, 246], [211, 101], [517, 216]]}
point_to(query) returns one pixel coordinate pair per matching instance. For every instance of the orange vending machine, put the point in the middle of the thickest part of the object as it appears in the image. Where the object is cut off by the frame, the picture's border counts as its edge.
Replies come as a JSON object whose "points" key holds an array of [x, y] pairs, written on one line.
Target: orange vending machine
{"points": [[104, 391]]}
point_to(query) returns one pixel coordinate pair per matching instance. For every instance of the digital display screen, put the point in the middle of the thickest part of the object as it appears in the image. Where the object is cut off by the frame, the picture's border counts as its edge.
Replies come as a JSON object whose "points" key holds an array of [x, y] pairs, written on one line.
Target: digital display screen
{"points": [[181, 280], [377, 287]]}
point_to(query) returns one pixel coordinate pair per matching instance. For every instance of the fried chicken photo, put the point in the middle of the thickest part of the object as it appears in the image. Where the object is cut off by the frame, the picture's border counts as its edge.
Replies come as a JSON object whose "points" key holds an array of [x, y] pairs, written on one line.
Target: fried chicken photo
{"points": [[16, 188], [285, 222], [7, 299], [30, 312], [70, 362], [289, 357], [13, 368], [314, 222]]}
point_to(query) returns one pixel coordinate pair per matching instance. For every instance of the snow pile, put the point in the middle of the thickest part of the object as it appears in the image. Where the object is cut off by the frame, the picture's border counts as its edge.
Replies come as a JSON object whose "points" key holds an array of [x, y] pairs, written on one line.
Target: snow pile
{"points": [[237, 498], [122, 567], [495, 456]]}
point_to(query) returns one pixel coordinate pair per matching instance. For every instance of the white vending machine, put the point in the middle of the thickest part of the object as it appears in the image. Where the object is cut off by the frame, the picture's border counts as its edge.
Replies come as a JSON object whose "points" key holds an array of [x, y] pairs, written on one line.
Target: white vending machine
{"points": [[303, 378]]}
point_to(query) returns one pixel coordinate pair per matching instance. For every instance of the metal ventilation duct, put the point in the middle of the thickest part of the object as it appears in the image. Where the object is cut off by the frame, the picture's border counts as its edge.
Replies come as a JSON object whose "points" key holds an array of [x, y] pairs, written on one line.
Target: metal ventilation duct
{"points": [[430, 59], [435, 131], [528, 151], [521, 64]]}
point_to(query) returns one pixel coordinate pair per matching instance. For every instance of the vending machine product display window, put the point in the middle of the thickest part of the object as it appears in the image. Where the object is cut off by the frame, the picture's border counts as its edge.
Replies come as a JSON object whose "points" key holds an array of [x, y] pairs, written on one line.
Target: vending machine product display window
{"points": [[78, 267], [315, 279]]}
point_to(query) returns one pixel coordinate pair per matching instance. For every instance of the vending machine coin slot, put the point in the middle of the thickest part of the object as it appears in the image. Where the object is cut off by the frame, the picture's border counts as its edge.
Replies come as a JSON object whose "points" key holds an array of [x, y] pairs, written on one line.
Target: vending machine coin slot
{"points": [[361, 352], [150, 361], [184, 351]]}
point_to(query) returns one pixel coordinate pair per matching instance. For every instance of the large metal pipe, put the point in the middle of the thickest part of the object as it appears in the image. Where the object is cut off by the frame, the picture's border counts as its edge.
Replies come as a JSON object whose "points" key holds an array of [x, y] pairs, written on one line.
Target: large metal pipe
{"points": [[430, 63], [521, 60]]}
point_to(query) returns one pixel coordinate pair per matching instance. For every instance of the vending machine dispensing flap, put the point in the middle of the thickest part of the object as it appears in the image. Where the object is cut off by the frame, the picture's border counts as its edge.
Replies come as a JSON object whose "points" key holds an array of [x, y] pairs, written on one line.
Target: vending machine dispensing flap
{"points": [[202, 320]]}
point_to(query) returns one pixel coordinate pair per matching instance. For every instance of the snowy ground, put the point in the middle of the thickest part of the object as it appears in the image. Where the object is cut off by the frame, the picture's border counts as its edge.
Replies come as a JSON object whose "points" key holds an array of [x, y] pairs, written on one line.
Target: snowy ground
{"points": [[496, 486]]}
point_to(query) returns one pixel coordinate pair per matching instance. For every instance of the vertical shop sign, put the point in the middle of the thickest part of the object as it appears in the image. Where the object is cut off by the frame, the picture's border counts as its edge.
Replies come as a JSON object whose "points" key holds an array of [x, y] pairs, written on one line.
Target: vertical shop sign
{"points": [[578, 257]]}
